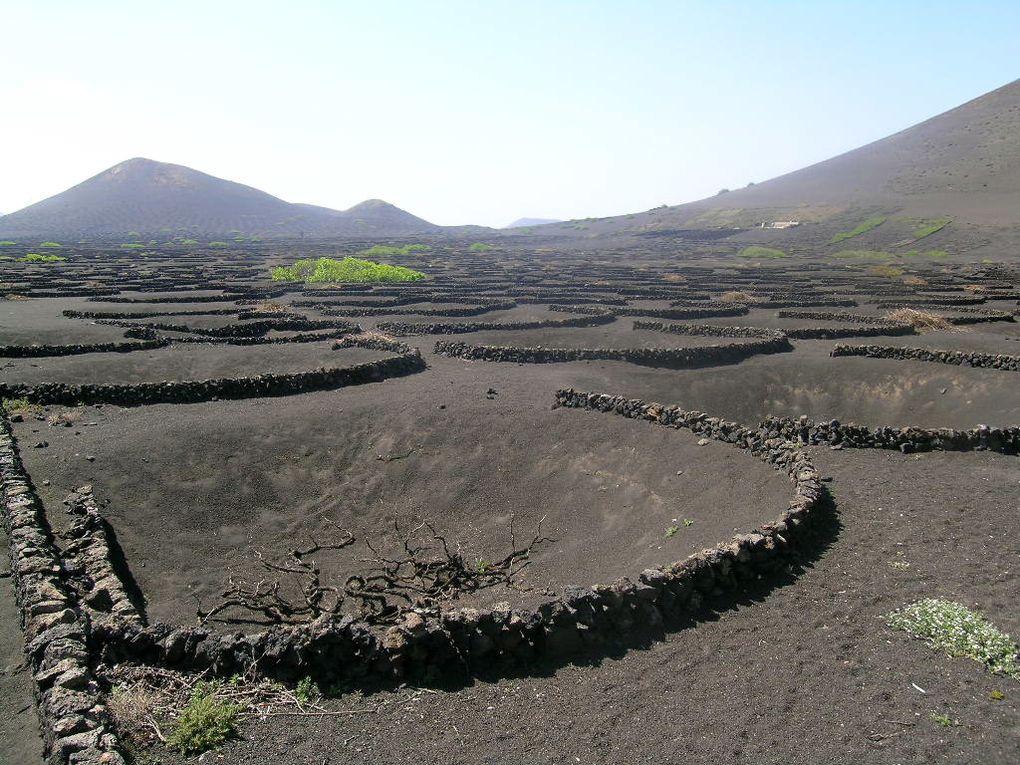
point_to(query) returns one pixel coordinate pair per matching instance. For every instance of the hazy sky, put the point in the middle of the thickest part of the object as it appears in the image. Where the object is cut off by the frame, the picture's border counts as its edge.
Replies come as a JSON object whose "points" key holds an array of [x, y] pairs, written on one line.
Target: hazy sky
{"points": [[479, 112]]}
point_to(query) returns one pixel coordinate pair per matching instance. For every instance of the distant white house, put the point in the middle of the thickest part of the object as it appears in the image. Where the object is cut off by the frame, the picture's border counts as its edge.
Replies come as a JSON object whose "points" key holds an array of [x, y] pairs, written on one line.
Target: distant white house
{"points": [[780, 224]]}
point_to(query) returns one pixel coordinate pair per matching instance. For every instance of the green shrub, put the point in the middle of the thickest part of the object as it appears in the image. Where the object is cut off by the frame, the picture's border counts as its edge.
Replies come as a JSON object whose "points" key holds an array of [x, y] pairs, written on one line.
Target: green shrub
{"points": [[481, 247], [330, 270], [190, 242], [761, 252], [133, 246], [51, 245], [959, 632], [863, 228], [929, 227], [205, 723], [7, 243], [35, 257], [219, 245]]}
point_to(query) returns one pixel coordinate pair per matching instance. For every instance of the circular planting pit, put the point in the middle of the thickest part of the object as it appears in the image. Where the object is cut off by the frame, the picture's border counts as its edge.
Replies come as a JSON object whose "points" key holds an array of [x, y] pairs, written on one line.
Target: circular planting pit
{"points": [[227, 479]]}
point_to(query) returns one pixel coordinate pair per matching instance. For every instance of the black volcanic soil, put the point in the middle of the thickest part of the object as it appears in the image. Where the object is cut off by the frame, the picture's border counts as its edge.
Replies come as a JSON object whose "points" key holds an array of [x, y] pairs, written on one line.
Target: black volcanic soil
{"points": [[802, 671]]}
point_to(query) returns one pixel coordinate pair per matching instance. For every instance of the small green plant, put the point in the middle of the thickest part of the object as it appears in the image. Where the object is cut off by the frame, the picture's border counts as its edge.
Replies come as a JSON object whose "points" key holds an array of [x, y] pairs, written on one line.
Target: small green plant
{"points": [[755, 251], [7, 243], [51, 245], [944, 720], [35, 257], [481, 247], [959, 632], [863, 228], [482, 565], [996, 695], [190, 242], [929, 227], [206, 723], [672, 531], [21, 405], [133, 246], [688, 522], [306, 691], [219, 245]]}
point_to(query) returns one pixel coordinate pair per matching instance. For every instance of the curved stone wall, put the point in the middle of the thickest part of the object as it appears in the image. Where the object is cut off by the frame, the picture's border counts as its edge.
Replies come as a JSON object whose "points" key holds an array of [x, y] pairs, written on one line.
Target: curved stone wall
{"points": [[958, 358]]}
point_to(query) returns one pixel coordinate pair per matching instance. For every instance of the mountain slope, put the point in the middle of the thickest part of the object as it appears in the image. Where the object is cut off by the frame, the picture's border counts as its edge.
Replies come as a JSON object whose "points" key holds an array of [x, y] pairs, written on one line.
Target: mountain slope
{"points": [[525, 222], [963, 164], [156, 198]]}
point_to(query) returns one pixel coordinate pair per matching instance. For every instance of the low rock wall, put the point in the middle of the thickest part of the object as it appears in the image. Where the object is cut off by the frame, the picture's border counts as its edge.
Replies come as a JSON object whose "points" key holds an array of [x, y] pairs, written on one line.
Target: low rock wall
{"points": [[958, 358]]}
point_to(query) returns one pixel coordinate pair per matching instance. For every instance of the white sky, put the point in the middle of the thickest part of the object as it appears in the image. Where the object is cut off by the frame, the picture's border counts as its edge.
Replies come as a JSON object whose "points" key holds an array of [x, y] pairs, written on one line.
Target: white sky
{"points": [[469, 112]]}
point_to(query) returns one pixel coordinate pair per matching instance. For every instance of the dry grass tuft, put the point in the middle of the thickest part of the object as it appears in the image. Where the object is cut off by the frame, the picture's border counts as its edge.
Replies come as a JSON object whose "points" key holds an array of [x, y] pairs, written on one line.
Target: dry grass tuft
{"points": [[975, 288], [915, 280], [674, 278], [270, 306], [68, 416], [922, 321], [737, 297]]}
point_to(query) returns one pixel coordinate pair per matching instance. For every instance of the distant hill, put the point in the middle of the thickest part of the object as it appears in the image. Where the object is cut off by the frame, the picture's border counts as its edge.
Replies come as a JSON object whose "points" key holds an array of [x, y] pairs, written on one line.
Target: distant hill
{"points": [[155, 199], [963, 165], [524, 222]]}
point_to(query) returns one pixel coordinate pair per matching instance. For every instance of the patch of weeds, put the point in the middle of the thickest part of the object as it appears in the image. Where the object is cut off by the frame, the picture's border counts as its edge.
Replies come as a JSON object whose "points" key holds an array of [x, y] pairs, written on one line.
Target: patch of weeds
{"points": [[929, 227], [862, 228], [886, 272], [672, 531], [482, 565], [219, 245], [51, 245], [944, 720], [21, 406], [688, 522], [206, 723], [386, 249], [189, 242], [761, 252], [996, 695], [132, 246], [7, 243], [35, 257], [959, 632], [307, 691], [481, 247]]}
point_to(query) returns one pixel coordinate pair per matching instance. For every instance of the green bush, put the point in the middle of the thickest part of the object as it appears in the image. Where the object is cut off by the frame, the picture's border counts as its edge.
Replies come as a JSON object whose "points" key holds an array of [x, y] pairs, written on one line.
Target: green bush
{"points": [[863, 228], [133, 246], [205, 723], [219, 245], [330, 270], [51, 245], [35, 257], [190, 242], [761, 252], [7, 243], [959, 632], [929, 227], [481, 247]]}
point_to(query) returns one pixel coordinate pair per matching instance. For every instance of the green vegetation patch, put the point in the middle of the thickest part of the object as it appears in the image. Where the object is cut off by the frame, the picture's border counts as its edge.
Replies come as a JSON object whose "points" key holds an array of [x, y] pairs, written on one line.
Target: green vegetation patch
{"points": [[207, 722], [329, 270], [7, 243], [958, 632], [380, 250], [21, 405], [929, 227], [35, 257], [863, 228], [481, 247], [761, 252], [887, 272], [133, 246], [219, 245], [51, 245]]}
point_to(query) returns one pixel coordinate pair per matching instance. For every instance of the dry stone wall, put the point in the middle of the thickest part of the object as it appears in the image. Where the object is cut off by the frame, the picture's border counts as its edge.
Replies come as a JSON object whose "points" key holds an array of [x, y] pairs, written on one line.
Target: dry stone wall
{"points": [[958, 358]]}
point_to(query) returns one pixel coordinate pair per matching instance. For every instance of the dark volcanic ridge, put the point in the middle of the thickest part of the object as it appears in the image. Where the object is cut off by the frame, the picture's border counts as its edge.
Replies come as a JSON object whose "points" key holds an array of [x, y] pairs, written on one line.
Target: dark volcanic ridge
{"points": [[162, 200]]}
